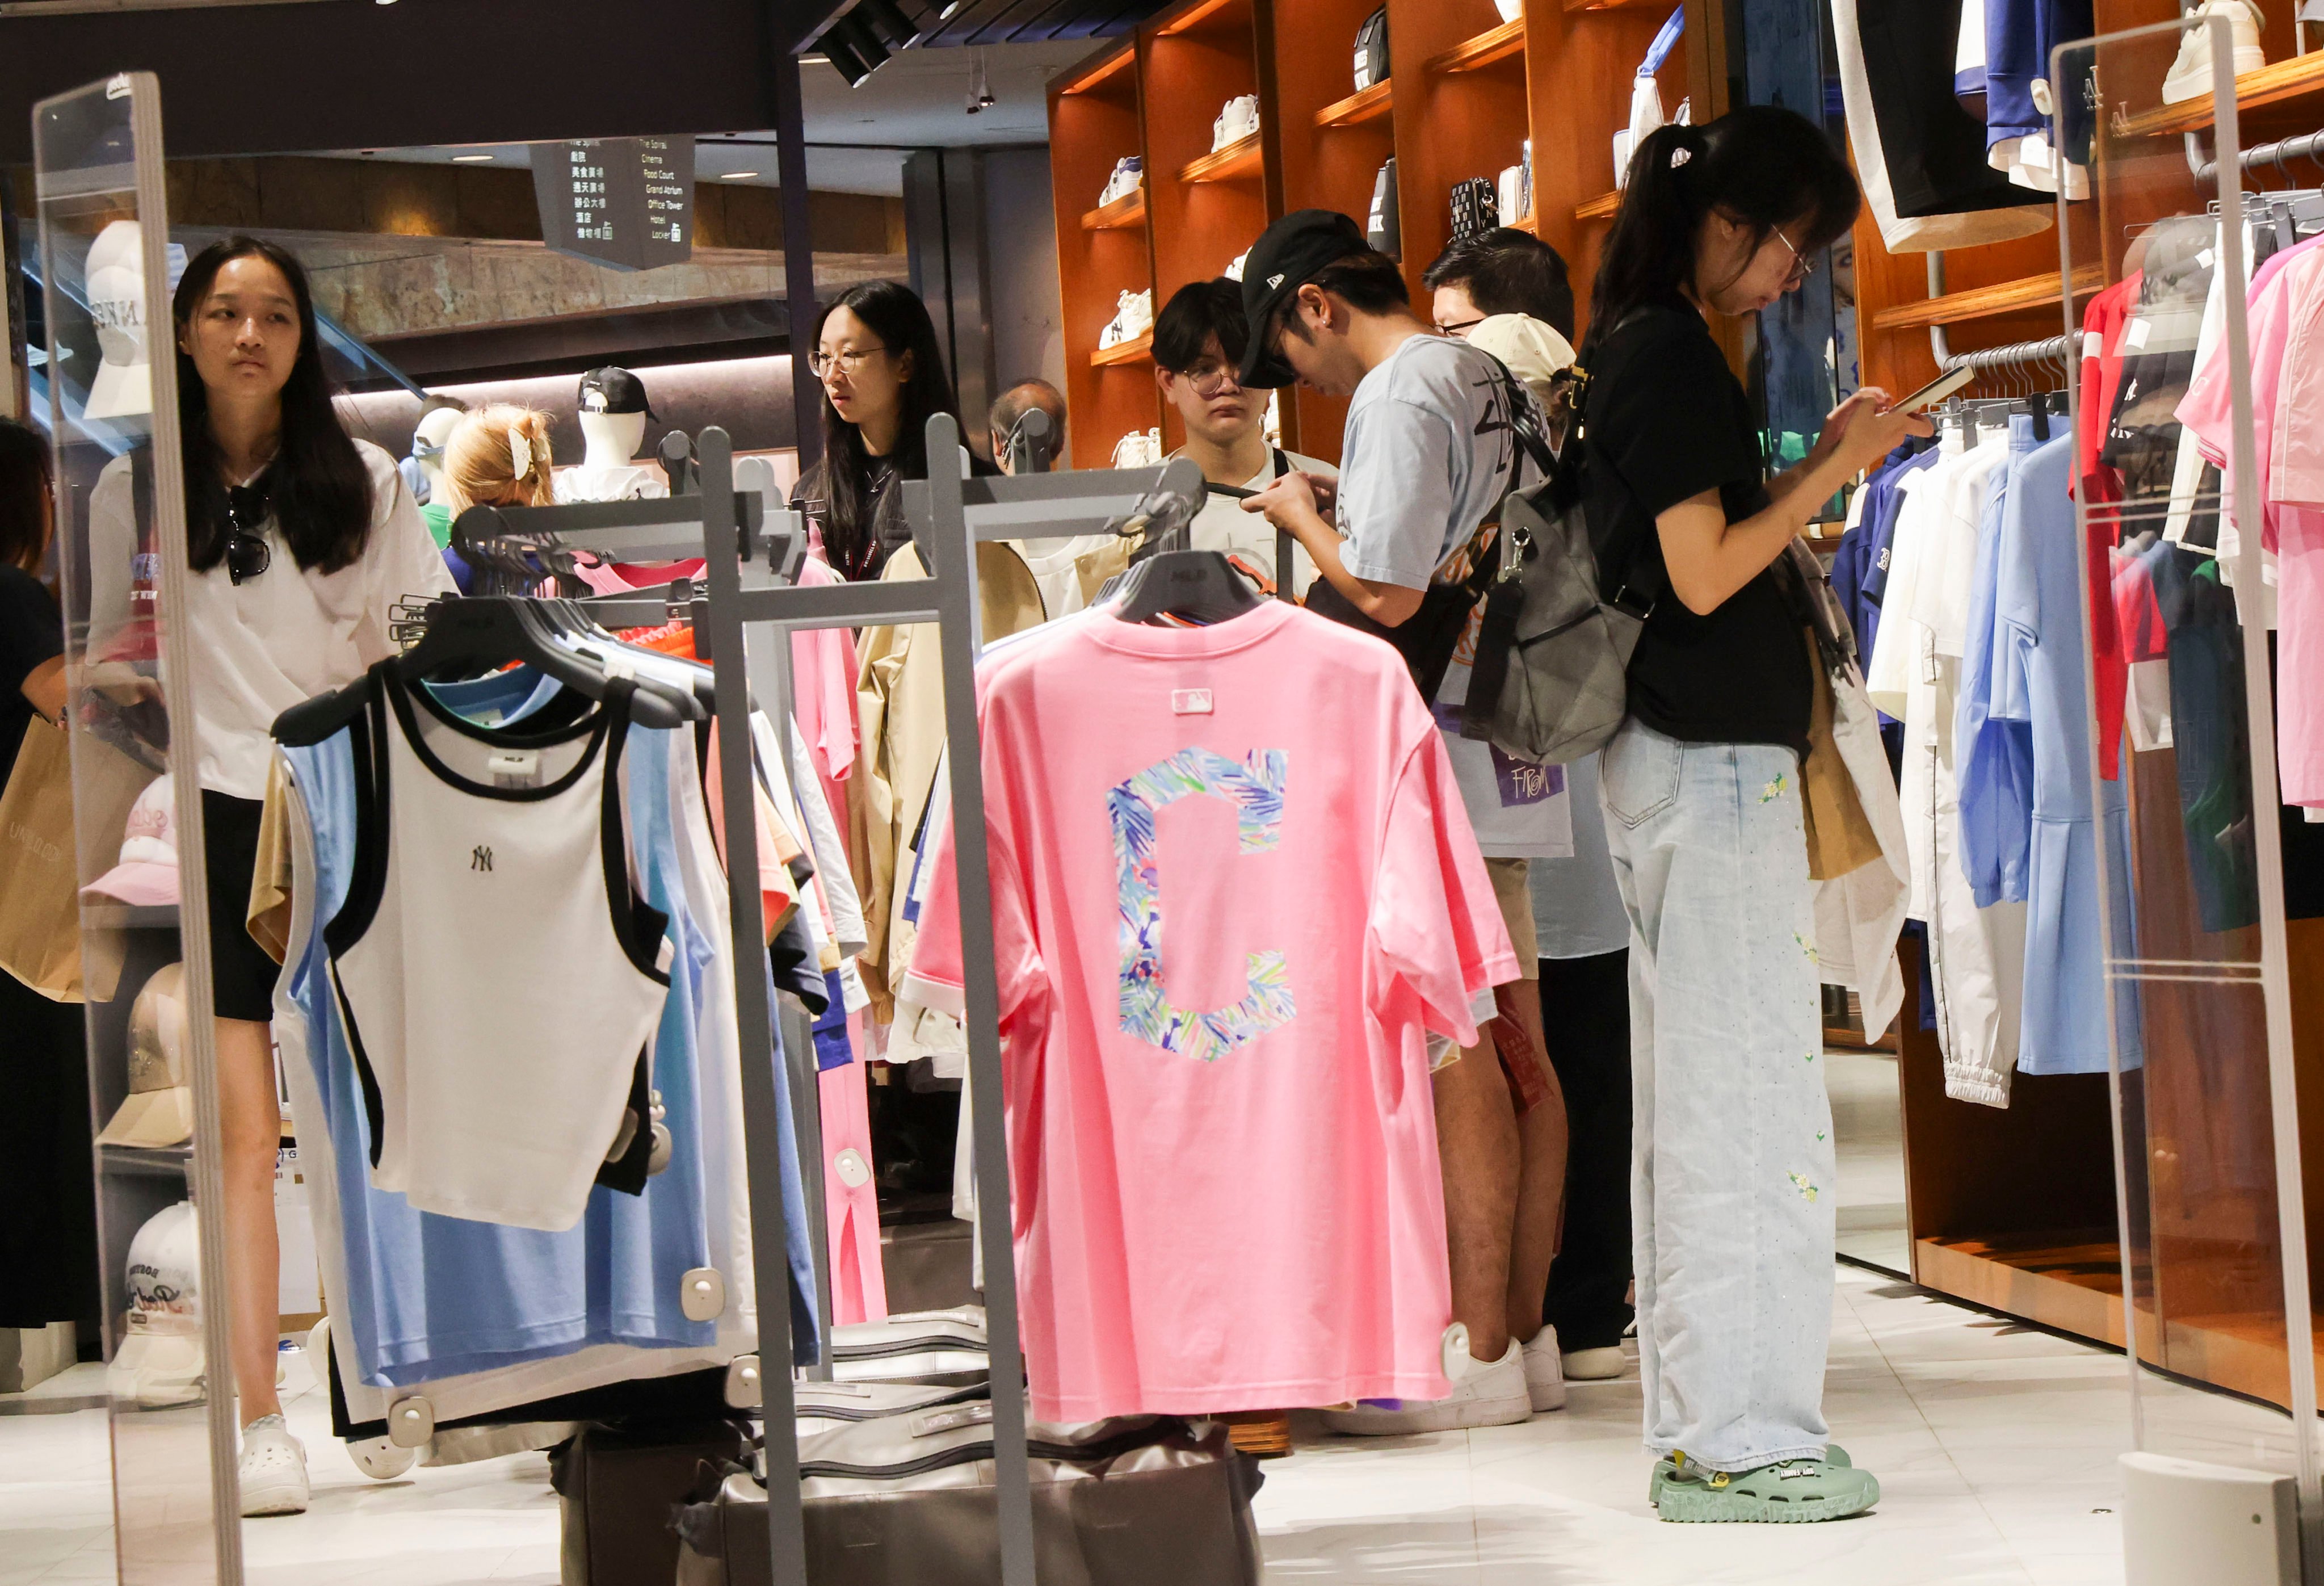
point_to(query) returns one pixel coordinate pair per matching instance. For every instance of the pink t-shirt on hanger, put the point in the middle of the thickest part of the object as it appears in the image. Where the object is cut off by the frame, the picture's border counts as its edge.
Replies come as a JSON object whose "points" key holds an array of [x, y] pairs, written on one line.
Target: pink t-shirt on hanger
{"points": [[1233, 888]]}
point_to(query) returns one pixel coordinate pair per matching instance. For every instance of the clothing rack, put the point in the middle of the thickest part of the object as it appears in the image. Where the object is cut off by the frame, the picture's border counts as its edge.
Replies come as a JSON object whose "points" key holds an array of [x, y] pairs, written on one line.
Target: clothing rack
{"points": [[2306, 146], [2057, 349], [949, 516]]}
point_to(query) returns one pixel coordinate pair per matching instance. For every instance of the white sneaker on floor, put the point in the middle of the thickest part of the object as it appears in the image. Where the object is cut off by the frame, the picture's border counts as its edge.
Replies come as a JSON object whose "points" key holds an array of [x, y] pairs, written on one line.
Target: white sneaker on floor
{"points": [[273, 1470], [1485, 1395], [2190, 77], [380, 1458], [1545, 1381], [1599, 1365]]}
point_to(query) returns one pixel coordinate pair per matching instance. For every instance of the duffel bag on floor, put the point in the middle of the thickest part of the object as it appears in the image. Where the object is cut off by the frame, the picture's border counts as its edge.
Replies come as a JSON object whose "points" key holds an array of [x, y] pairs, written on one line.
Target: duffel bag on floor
{"points": [[907, 1499], [616, 1488]]}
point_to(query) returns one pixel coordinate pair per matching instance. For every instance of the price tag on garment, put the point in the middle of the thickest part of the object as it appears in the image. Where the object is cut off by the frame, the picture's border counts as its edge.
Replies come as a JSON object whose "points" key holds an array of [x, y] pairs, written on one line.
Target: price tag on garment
{"points": [[1190, 702], [515, 768], [2136, 336]]}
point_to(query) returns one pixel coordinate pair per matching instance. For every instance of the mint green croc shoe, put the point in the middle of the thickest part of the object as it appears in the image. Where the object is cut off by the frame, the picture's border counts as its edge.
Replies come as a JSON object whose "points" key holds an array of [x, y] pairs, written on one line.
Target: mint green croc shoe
{"points": [[1787, 1493], [1667, 1466]]}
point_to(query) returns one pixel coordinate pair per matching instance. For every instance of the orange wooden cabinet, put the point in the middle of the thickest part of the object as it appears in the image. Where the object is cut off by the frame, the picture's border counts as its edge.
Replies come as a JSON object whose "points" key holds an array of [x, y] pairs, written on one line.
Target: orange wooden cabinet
{"points": [[1466, 89]]}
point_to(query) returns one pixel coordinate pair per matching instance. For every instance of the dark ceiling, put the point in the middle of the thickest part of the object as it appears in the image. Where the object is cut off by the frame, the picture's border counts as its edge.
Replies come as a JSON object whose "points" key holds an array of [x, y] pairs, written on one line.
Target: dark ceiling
{"points": [[1025, 22]]}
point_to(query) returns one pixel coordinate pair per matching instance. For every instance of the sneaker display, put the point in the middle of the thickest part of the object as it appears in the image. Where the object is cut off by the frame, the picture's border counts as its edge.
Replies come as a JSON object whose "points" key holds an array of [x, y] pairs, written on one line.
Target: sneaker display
{"points": [[1134, 317], [1237, 122], [1141, 448], [273, 1470], [1128, 176], [1545, 1377], [2190, 77], [1666, 1470], [1494, 1394], [1598, 1365]]}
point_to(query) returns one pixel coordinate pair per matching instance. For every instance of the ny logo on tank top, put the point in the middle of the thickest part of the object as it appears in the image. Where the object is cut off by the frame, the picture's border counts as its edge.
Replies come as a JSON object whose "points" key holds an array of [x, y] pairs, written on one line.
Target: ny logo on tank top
{"points": [[481, 858], [1254, 785]]}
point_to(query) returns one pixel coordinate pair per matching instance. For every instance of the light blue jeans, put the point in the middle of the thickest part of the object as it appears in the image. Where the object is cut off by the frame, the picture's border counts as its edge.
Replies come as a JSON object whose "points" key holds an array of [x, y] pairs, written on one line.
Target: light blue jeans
{"points": [[1732, 1164]]}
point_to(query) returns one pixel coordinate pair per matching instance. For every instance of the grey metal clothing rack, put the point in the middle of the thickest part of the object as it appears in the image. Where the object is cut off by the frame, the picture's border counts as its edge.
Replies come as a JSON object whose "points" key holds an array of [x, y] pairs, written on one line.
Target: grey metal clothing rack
{"points": [[949, 516]]}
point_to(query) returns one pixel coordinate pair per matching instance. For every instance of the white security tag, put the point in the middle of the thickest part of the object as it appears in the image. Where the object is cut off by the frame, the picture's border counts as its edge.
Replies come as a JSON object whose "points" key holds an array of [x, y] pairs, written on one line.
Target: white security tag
{"points": [[742, 1382], [702, 1293], [410, 1421]]}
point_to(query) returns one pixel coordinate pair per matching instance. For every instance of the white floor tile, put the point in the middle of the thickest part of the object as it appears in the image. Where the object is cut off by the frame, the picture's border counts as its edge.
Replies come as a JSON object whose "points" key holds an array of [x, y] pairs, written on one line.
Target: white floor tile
{"points": [[1996, 1446]]}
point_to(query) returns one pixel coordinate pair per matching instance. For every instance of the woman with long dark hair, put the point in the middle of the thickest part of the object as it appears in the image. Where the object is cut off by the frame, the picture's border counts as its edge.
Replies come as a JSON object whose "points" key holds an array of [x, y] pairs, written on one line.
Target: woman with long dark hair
{"points": [[883, 375], [1732, 1206], [300, 541]]}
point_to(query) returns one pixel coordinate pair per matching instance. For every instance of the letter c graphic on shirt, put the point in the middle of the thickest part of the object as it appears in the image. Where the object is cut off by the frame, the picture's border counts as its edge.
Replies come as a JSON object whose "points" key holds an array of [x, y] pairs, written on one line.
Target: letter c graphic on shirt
{"points": [[1255, 786]]}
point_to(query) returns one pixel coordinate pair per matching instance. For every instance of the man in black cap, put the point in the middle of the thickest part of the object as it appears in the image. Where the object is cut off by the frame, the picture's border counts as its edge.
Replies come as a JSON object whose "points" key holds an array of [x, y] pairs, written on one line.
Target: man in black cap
{"points": [[1428, 455]]}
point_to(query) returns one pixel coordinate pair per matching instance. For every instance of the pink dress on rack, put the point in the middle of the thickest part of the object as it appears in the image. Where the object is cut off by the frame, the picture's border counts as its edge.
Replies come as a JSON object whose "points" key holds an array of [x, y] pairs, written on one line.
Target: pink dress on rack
{"points": [[1233, 890]]}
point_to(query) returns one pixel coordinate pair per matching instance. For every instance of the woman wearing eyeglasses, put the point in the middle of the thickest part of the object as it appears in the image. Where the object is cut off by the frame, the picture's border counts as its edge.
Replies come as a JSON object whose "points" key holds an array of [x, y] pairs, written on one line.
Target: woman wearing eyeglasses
{"points": [[1198, 345], [301, 541], [882, 376], [1732, 1209]]}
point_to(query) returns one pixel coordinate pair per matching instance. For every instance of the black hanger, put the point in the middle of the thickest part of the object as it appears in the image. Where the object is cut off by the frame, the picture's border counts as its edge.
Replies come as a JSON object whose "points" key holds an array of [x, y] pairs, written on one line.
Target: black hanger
{"points": [[2038, 405], [1201, 585]]}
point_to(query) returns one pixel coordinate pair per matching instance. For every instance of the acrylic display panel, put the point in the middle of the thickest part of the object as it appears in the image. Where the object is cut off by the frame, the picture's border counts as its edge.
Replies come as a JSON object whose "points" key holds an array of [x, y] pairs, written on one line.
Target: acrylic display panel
{"points": [[2197, 852], [108, 383]]}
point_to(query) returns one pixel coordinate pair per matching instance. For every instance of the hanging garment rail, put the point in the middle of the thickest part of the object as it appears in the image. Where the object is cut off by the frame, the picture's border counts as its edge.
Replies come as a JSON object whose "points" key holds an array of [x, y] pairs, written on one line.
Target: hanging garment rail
{"points": [[2306, 146], [2057, 349], [948, 517]]}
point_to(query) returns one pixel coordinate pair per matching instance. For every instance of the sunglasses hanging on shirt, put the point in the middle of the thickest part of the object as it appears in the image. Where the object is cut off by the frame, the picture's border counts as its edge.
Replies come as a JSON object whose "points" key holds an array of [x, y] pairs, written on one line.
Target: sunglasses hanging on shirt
{"points": [[247, 552]]}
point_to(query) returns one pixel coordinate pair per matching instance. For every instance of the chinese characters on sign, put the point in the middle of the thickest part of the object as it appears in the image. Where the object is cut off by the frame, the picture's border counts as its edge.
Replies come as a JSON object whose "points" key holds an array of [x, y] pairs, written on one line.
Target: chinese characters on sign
{"points": [[624, 202]]}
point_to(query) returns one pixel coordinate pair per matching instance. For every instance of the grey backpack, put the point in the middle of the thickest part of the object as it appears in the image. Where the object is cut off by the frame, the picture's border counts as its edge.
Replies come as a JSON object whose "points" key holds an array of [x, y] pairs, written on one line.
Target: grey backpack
{"points": [[1551, 682]]}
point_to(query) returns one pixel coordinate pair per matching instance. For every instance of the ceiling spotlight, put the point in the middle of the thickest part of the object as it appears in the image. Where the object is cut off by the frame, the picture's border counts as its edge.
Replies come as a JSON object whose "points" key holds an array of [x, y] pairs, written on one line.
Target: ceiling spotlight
{"points": [[469, 159], [854, 52], [886, 22], [950, 8], [737, 175]]}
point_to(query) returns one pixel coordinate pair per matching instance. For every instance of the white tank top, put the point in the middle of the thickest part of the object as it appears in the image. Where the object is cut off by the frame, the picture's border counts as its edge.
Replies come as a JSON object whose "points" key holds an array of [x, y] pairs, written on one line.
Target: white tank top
{"points": [[500, 979]]}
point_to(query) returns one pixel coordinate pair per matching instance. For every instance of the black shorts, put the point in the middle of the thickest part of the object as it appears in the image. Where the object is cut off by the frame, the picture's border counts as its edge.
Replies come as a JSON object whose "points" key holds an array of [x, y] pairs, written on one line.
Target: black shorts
{"points": [[242, 976]]}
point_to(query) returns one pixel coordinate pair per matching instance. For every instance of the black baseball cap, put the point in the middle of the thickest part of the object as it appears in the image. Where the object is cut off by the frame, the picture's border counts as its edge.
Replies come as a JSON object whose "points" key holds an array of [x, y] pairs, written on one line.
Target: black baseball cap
{"points": [[611, 390], [1288, 255]]}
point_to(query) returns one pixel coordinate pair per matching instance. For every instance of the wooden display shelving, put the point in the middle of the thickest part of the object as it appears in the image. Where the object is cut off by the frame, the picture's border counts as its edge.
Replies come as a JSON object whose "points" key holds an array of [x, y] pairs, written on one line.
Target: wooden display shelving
{"points": [[1129, 209], [1238, 162], [1489, 48], [2273, 84], [1360, 106], [1136, 349], [1602, 208], [1474, 90], [2009, 297]]}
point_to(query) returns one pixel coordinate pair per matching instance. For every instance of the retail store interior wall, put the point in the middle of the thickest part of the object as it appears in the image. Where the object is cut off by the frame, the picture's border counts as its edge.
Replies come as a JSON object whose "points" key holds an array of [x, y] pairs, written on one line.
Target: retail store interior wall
{"points": [[1468, 87], [2016, 1209]]}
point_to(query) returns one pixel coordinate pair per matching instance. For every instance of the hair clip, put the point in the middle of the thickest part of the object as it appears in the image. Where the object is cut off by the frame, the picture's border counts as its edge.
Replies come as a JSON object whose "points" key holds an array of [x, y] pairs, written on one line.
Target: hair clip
{"points": [[1680, 156], [520, 453]]}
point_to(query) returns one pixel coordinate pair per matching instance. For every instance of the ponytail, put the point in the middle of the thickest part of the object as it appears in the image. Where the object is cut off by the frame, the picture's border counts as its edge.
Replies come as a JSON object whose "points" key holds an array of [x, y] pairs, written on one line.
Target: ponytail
{"points": [[1762, 165]]}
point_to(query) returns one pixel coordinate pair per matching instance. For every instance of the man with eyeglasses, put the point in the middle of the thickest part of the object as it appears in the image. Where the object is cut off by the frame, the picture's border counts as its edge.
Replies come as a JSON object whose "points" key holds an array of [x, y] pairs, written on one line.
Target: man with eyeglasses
{"points": [[1199, 340]]}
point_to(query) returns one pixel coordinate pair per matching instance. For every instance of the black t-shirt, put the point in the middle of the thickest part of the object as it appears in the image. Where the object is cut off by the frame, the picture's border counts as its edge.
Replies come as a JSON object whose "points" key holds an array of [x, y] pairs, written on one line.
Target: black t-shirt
{"points": [[31, 632], [1666, 420]]}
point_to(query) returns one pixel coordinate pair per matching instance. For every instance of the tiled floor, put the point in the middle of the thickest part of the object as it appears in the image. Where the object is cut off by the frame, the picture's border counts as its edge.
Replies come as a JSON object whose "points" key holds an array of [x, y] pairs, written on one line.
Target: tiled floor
{"points": [[1867, 1128], [1995, 1445]]}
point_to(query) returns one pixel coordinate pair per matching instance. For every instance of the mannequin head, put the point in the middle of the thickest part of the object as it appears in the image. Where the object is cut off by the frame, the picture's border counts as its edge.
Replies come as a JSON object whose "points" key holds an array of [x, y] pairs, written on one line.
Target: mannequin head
{"points": [[428, 437], [613, 414]]}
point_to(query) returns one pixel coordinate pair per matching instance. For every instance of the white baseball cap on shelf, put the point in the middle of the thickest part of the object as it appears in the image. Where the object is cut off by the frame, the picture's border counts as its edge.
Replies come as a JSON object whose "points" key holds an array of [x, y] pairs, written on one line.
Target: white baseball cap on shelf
{"points": [[158, 1363]]}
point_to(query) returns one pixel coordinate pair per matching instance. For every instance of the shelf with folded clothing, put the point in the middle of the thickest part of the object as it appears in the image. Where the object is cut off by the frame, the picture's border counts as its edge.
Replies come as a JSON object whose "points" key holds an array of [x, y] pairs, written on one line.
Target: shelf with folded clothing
{"points": [[2008, 297], [1139, 348]]}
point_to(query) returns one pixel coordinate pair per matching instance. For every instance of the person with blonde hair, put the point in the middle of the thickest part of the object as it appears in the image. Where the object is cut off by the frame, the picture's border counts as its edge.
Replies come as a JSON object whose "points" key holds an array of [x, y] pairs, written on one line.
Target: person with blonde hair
{"points": [[499, 456]]}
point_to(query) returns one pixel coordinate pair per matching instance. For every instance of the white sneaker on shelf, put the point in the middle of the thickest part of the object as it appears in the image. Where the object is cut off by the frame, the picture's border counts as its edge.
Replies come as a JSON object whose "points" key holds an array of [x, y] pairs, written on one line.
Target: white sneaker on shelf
{"points": [[2190, 77], [1128, 176], [1598, 1365], [1485, 1394], [1133, 318], [1237, 122], [379, 1458], [273, 1470], [1544, 1381]]}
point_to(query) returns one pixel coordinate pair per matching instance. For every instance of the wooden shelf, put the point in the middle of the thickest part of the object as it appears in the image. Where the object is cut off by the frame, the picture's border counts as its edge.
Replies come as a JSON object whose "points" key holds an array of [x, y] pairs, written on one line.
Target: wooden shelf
{"points": [[2270, 85], [2008, 297], [1191, 18], [1236, 161], [1360, 106], [1138, 347], [1600, 208], [1129, 209], [1605, 5], [1528, 224], [1119, 61], [1495, 44]]}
